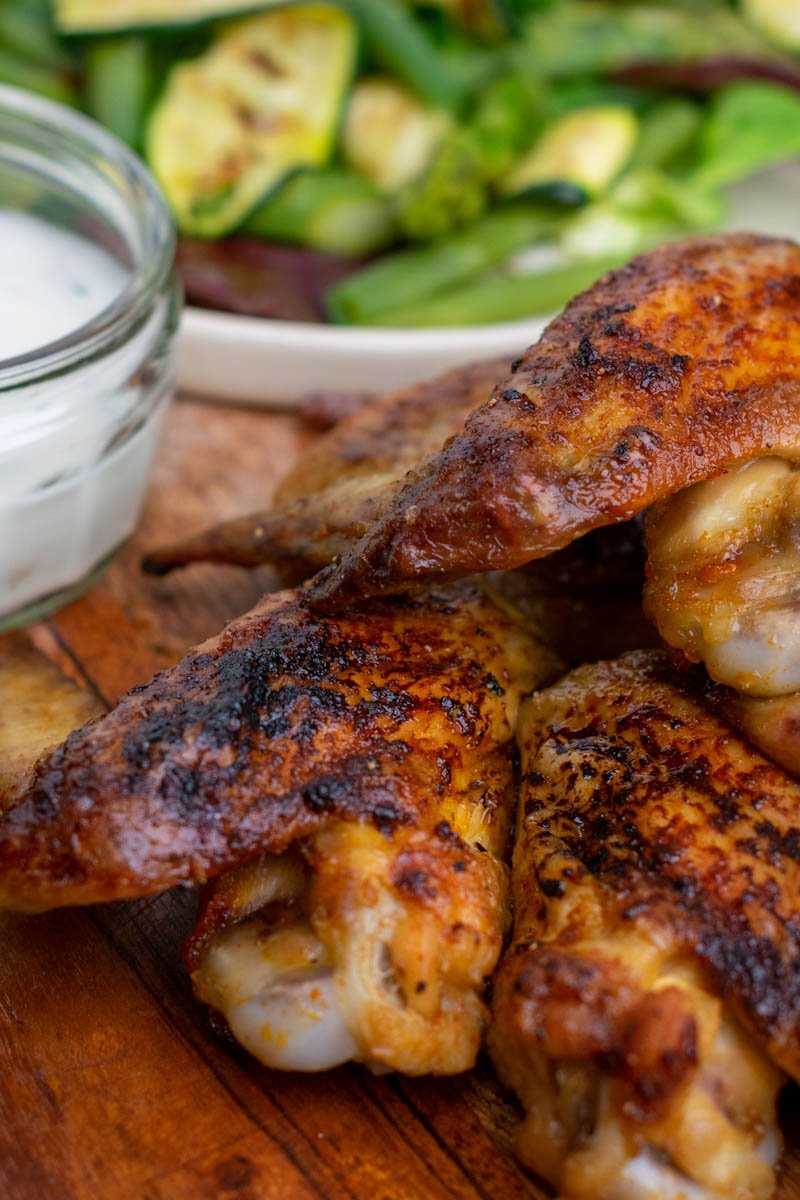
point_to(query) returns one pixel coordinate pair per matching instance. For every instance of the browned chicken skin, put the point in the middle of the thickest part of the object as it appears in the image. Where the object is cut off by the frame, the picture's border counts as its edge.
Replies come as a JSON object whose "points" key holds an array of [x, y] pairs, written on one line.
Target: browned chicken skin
{"points": [[655, 967], [358, 769], [665, 372], [772, 723], [339, 487], [278, 726]]}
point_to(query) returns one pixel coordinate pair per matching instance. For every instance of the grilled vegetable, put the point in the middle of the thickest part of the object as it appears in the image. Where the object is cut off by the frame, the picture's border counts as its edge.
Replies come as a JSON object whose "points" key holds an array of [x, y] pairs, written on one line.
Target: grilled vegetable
{"points": [[778, 20], [331, 210], [388, 134], [265, 99], [454, 190], [116, 16], [646, 205], [576, 158]]}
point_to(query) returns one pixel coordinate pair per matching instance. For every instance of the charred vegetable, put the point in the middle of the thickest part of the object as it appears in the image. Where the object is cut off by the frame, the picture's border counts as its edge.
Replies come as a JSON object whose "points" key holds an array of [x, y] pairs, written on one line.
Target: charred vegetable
{"points": [[100, 16], [576, 158], [388, 134], [265, 99]]}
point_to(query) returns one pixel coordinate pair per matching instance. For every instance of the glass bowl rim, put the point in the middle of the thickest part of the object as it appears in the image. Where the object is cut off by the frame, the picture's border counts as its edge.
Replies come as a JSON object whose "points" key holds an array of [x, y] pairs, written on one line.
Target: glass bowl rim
{"points": [[152, 266]]}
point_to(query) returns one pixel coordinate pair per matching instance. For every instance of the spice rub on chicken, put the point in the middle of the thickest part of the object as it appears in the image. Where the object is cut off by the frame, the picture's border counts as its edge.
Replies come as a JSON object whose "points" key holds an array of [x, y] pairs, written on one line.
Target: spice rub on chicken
{"points": [[359, 769], [343, 482], [666, 372], [648, 1008]]}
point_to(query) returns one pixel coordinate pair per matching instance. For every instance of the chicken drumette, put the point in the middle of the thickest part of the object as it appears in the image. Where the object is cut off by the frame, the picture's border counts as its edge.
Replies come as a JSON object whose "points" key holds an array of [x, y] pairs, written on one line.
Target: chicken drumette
{"points": [[359, 769], [648, 1008]]}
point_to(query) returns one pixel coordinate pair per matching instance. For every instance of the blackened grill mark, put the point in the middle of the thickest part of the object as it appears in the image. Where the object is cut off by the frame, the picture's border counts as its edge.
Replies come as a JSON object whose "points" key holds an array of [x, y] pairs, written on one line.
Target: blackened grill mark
{"points": [[585, 355], [552, 888], [493, 685], [328, 793], [416, 883], [464, 715], [707, 901]]}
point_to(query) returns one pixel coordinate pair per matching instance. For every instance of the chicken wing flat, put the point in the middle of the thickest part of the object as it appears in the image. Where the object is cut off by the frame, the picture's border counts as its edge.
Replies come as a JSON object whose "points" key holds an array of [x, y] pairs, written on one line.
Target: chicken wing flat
{"points": [[343, 483], [650, 1001], [666, 372], [283, 721], [361, 770]]}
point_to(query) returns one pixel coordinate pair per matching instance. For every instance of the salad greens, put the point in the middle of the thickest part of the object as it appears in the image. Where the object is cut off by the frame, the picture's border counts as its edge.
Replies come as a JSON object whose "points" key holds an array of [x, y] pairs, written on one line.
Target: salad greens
{"points": [[447, 136], [409, 277], [750, 126]]}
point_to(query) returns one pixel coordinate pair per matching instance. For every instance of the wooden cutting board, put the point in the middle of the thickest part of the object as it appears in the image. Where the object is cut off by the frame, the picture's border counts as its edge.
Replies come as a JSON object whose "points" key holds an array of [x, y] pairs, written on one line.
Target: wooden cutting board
{"points": [[112, 1085]]}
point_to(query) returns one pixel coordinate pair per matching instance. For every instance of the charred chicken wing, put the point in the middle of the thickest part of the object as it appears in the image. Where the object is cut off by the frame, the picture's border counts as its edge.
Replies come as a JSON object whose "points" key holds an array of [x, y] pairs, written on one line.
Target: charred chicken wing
{"points": [[723, 587], [342, 484], [360, 770], [648, 1008], [666, 372]]}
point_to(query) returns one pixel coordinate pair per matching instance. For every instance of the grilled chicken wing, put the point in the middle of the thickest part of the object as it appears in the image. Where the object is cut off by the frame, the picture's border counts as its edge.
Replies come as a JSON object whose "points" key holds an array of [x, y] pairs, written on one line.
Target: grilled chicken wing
{"points": [[275, 919], [723, 581], [650, 1001], [342, 484], [770, 722], [360, 768], [722, 587], [683, 363]]}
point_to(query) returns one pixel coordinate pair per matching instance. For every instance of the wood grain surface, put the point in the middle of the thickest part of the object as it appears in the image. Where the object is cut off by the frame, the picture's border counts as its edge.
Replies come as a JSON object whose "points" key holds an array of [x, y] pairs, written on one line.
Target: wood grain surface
{"points": [[112, 1084]]}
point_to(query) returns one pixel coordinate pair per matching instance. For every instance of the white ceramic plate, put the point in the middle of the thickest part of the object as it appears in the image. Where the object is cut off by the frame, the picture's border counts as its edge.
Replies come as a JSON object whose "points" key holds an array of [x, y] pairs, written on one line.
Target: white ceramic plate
{"points": [[272, 364]]}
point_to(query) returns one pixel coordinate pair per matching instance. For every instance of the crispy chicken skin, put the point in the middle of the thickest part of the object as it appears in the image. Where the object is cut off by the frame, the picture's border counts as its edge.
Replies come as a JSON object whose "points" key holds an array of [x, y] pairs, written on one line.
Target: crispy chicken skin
{"points": [[363, 944], [360, 771], [770, 722], [667, 371], [393, 717], [651, 995], [341, 484], [722, 579]]}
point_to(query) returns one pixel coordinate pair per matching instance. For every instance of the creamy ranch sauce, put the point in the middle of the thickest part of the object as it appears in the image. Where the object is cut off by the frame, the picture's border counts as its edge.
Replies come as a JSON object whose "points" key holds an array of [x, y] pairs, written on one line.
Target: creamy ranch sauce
{"points": [[51, 282], [75, 449]]}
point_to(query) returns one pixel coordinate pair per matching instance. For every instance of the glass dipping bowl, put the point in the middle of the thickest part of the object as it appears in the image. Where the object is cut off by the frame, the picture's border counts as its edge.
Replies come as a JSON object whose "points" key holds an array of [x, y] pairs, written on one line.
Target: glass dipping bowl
{"points": [[80, 416]]}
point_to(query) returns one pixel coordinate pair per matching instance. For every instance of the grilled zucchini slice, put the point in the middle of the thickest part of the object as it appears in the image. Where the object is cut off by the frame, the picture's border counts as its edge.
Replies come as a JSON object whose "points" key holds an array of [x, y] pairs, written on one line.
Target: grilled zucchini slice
{"points": [[118, 16], [389, 135], [264, 100], [576, 158], [778, 20]]}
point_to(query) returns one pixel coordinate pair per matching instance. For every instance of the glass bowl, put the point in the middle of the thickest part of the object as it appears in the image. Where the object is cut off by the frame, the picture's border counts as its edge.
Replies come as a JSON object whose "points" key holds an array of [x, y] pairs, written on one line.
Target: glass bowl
{"points": [[88, 316]]}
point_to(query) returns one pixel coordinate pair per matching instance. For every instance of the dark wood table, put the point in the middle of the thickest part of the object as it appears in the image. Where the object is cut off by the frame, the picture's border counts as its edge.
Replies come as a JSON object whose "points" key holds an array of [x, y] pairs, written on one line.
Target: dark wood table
{"points": [[112, 1085]]}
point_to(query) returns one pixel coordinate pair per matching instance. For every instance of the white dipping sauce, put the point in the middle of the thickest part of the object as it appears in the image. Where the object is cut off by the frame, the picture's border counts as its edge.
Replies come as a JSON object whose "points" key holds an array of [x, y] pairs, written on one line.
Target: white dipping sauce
{"points": [[75, 449], [51, 282]]}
